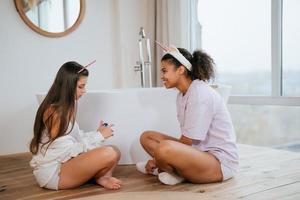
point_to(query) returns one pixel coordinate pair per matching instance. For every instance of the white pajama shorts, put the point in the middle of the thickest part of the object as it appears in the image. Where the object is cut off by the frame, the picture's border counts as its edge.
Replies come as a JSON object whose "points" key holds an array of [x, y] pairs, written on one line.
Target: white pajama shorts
{"points": [[227, 172], [54, 180]]}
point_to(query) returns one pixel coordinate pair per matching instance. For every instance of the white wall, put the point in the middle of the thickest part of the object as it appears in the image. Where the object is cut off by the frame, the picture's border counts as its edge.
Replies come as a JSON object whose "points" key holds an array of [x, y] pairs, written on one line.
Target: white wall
{"points": [[132, 15], [29, 62]]}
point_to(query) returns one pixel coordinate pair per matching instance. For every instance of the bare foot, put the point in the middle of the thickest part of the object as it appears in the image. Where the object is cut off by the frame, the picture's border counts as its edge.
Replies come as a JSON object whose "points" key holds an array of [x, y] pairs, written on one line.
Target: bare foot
{"points": [[109, 182]]}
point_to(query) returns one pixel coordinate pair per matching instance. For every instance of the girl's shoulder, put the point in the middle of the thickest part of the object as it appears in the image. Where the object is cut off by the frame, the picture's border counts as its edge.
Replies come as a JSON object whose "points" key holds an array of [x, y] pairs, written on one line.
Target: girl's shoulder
{"points": [[51, 114], [201, 87], [52, 119], [50, 111], [202, 91]]}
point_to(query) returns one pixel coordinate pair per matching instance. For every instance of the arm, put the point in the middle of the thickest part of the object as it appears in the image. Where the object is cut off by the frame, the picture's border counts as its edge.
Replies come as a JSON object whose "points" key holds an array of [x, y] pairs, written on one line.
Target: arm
{"points": [[95, 139], [105, 130], [185, 140], [198, 116]]}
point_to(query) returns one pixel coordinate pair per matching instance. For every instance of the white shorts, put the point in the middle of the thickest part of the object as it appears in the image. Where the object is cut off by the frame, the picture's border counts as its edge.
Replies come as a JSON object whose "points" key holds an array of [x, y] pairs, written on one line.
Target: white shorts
{"points": [[54, 180], [227, 172]]}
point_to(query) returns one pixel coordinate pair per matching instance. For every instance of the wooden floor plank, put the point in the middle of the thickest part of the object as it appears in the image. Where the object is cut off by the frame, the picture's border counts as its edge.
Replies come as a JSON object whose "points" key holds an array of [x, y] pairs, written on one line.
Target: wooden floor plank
{"points": [[279, 192], [264, 174]]}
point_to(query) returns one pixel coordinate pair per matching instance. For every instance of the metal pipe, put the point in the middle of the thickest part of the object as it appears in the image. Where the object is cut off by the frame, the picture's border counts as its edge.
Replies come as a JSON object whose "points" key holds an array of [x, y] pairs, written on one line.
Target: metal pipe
{"points": [[149, 62], [142, 62]]}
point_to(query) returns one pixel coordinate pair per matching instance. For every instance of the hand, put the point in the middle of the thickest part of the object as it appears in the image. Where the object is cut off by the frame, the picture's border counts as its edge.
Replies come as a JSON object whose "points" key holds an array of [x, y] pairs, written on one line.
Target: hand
{"points": [[150, 166], [105, 129]]}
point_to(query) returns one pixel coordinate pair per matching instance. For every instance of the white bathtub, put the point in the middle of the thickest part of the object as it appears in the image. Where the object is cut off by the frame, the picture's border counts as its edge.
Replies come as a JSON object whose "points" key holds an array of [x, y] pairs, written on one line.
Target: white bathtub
{"points": [[132, 111]]}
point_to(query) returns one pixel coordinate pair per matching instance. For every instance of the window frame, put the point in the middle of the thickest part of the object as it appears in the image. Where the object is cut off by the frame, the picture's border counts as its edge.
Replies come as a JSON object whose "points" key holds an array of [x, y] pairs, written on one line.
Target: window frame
{"points": [[276, 97]]}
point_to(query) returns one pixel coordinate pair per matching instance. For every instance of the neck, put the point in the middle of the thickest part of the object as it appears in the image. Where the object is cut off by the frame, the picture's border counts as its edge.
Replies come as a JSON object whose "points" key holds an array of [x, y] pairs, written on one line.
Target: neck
{"points": [[184, 85]]}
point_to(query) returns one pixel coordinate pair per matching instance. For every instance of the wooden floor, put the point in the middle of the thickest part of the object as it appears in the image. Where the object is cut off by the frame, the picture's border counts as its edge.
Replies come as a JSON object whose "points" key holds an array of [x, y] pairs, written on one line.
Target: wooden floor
{"points": [[264, 174]]}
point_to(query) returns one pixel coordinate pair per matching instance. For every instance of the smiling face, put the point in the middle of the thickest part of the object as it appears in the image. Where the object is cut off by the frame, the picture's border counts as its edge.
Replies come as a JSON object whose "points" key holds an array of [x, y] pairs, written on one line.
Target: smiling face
{"points": [[80, 89], [170, 75]]}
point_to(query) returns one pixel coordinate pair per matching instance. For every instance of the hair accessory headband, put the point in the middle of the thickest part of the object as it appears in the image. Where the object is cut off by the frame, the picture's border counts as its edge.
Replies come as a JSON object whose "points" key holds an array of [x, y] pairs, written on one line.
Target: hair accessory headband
{"points": [[172, 50], [83, 68]]}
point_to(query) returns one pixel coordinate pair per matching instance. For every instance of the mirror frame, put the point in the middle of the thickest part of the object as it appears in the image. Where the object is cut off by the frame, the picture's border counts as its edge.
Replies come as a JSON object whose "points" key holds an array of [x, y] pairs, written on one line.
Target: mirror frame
{"points": [[19, 8]]}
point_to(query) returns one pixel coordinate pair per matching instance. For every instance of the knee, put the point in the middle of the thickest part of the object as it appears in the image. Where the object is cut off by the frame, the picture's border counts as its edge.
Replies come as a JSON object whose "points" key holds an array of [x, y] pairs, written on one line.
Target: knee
{"points": [[117, 152], [144, 136], [164, 150], [109, 155]]}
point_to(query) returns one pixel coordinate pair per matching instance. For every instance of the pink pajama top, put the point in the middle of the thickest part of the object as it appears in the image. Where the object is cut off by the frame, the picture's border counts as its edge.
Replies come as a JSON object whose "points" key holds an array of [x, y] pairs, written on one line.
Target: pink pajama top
{"points": [[204, 118]]}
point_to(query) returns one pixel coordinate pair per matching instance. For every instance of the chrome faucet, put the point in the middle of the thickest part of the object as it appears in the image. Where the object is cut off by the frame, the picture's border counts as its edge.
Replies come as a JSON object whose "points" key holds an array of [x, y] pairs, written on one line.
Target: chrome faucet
{"points": [[144, 65]]}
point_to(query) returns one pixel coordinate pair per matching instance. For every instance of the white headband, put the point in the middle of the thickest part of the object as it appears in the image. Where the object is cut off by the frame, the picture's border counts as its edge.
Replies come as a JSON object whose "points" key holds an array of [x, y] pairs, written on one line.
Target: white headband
{"points": [[172, 50]]}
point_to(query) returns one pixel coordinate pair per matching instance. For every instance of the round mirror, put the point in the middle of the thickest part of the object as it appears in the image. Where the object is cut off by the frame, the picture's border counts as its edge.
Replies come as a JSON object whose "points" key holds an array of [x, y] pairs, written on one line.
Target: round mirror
{"points": [[52, 18]]}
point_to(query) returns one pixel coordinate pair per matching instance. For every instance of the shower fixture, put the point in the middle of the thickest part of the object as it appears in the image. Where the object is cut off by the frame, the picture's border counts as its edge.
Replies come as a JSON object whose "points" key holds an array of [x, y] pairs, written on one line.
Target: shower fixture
{"points": [[144, 64]]}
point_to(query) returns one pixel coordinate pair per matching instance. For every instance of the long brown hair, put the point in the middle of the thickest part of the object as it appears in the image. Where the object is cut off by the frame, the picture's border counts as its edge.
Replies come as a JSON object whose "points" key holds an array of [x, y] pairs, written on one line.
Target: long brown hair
{"points": [[62, 99]]}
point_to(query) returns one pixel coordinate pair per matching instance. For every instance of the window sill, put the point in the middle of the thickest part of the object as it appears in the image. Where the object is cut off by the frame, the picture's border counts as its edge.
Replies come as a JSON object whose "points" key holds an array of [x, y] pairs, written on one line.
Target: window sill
{"points": [[264, 100]]}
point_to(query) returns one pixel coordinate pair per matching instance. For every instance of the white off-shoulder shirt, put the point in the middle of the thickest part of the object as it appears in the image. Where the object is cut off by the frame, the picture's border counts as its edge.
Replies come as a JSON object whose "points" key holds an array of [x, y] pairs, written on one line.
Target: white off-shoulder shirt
{"points": [[46, 163]]}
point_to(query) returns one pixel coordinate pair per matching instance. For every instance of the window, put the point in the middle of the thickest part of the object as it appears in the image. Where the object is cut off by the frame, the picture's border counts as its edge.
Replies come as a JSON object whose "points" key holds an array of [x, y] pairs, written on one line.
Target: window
{"points": [[291, 48], [237, 34], [255, 46]]}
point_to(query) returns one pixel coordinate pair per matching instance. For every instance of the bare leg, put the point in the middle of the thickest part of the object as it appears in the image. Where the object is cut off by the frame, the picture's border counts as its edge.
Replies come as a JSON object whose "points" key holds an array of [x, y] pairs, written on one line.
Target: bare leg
{"points": [[151, 139], [190, 163], [107, 181], [95, 163]]}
